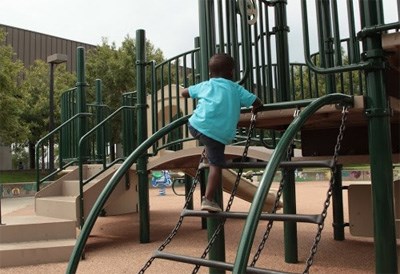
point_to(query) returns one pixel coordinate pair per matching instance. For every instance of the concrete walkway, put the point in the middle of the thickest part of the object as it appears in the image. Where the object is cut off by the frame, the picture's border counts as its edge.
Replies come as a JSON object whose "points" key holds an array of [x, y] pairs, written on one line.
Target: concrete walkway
{"points": [[9, 205], [114, 247]]}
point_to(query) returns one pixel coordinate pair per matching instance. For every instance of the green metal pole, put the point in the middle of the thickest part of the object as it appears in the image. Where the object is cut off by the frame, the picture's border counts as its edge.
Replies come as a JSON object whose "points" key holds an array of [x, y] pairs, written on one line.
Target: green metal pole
{"points": [[207, 47], [204, 54], [141, 166], [203, 179], [327, 44], [81, 95], [380, 150], [188, 181], [282, 49], [100, 146], [217, 250], [289, 207], [81, 122], [337, 205]]}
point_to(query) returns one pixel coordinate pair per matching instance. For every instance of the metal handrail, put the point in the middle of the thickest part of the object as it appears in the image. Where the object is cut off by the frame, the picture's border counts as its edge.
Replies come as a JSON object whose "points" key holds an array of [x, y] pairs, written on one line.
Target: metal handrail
{"points": [[307, 55], [47, 136], [81, 158]]}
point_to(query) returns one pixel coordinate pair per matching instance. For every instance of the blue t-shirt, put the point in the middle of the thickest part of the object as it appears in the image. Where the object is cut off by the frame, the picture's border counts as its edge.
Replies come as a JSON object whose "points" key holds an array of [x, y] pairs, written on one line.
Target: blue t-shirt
{"points": [[218, 109]]}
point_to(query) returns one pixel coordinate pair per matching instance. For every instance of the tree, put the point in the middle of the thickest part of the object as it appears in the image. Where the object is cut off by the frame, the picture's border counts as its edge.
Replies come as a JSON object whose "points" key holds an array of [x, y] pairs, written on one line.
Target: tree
{"points": [[12, 102], [35, 88], [117, 70]]}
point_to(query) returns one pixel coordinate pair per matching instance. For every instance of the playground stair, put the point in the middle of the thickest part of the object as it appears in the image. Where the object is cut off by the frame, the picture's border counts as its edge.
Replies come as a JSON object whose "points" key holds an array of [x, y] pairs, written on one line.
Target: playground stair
{"points": [[62, 200], [27, 240], [49, 235]]}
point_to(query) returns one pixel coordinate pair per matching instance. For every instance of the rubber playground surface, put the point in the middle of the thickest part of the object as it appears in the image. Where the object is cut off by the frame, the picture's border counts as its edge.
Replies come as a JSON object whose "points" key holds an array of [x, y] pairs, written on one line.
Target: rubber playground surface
{"points": [[114, 247]]}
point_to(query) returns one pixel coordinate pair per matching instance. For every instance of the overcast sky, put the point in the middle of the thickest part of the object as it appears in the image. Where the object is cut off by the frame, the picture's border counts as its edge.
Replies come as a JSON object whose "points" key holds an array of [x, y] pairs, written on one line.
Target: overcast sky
{"points": [[170, 25]]}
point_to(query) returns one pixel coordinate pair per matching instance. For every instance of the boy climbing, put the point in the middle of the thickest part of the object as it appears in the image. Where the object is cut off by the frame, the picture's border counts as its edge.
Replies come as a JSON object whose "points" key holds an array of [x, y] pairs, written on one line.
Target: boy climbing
{"points": [[215, 118]]}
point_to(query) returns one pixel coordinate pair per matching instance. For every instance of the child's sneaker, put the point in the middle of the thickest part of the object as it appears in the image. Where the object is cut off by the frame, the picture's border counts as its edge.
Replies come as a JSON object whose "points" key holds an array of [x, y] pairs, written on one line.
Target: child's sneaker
{"points": [[210, 206]]}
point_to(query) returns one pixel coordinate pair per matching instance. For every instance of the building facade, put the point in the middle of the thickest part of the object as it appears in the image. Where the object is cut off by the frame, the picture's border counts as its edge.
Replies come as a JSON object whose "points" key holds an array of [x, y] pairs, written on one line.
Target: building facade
{"points": [[30, 46]]}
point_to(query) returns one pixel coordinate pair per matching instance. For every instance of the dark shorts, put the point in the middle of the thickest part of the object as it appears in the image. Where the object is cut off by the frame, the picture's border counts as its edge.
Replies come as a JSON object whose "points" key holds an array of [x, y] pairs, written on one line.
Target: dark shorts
{"points": [[215, 150]]}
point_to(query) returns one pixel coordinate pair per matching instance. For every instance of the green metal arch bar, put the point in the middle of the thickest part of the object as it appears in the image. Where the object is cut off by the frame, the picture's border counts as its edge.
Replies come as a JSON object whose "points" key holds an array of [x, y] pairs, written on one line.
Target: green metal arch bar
{"points": [[307, 57], [250, 227], [105, 194]]}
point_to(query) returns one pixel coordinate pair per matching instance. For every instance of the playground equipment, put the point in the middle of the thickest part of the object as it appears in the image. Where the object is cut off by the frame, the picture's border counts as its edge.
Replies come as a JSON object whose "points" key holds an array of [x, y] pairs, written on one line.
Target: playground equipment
{"points": [[248, 32], [161, 180]]}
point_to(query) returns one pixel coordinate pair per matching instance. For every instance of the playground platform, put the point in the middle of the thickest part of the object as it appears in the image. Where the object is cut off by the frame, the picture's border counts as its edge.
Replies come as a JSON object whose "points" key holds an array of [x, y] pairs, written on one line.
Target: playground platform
{"points": [[114, 247]]}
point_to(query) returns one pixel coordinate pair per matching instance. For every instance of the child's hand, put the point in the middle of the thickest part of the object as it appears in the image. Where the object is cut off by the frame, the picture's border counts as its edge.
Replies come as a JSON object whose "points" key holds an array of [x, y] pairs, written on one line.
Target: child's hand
{"points": [[256, 106], [255, 109]]}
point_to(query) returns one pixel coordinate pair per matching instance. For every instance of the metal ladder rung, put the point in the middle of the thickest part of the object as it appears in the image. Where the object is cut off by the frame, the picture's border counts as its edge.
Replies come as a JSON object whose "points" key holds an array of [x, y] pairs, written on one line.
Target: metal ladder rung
{"points": [[300, 218], [208, 263], [287, 164]]}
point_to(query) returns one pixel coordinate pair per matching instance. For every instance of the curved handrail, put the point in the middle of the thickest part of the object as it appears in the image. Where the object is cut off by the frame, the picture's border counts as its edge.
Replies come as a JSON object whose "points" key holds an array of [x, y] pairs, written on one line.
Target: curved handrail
{"points": [[81, 156], [47, 136], [307, 57], [108, 189], [247, 238]]}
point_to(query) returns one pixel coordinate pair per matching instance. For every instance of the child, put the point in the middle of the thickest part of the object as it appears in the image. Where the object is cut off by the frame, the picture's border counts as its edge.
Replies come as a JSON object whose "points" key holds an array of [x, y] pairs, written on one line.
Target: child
{"points": [[215, 118]]}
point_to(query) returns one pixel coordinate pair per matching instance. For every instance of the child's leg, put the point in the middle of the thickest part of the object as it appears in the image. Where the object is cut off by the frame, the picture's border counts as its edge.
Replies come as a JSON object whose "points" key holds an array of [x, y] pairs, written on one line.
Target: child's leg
{"points": [[214, 180]]}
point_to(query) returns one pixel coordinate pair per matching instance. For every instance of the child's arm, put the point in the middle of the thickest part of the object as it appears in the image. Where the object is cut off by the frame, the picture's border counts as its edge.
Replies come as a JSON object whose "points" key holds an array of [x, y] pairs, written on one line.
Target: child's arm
{"points": [[185, 93], [257, 104]]}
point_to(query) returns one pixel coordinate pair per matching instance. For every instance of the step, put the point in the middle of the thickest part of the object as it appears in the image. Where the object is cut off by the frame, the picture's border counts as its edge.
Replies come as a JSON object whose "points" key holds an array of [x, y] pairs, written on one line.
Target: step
{"points": [[63, 207], [35, 228], [207, 262], [35, 252], [303, 218]]}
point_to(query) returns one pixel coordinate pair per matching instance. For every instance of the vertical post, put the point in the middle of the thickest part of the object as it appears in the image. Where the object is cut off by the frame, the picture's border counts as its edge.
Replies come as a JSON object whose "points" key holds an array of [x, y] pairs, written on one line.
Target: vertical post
{"points": [[327, 44], [337, 205], [53, 60], [81, 123], [51, 118], [100, 146], [81, 97], [204, 40], [203, 179], [282, 49], [207, 48], [289, 207], [217, 250], [378, 112], [188, 185], [141, 166]]}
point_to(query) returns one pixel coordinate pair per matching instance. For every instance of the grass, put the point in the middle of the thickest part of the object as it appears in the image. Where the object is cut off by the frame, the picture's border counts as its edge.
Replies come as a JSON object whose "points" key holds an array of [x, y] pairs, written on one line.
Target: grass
{"points": [[17, 176]]}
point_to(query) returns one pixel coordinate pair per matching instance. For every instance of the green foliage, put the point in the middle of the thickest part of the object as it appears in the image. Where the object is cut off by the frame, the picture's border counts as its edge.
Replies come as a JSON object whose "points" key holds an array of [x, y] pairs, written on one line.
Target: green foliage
{"points": [[117, 70], [12, 103], [19, 156], [35, 88]]}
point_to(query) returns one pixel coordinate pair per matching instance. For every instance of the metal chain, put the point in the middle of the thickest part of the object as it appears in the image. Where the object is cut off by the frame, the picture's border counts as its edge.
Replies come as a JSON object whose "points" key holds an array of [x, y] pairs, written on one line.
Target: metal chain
{"points": [[271, 222], [179, 223], [233, 193], [317, 238], [261, 246]]}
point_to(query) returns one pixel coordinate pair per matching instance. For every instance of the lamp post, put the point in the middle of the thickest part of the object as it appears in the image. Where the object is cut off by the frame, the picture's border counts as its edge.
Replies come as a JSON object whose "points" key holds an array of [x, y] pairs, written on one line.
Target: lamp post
{"points": [[53, 60]]}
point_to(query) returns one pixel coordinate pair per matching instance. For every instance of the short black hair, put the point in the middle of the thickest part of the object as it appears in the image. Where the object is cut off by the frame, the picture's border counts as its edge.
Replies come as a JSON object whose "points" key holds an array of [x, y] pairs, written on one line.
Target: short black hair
{"points": [[221, 65]]}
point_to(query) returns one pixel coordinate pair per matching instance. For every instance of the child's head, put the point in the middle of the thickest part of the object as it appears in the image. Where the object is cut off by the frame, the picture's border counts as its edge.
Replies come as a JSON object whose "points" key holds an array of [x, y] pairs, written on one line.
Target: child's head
{"points": [[221, 65]]}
